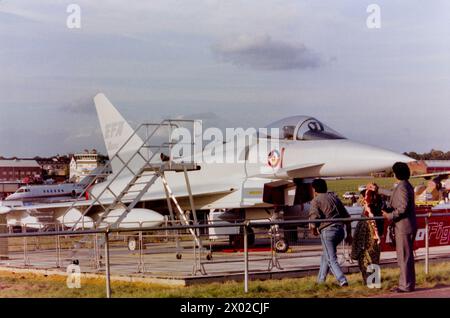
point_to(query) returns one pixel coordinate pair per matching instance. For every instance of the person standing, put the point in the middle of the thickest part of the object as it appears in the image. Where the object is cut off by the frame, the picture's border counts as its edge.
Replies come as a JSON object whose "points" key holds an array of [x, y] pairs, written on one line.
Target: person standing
{"points": [[403, 213], [328, 206], [367, 236]]}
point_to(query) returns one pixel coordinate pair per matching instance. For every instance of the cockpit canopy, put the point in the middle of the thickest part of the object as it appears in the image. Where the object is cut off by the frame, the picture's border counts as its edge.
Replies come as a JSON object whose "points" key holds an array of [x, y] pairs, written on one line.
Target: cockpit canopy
{"points": [[22, 190], [302, 128]]}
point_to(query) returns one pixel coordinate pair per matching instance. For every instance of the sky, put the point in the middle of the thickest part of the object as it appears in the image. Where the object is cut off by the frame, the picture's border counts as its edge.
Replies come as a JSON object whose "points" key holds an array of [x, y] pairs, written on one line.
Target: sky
{"points": [[232, 63]]}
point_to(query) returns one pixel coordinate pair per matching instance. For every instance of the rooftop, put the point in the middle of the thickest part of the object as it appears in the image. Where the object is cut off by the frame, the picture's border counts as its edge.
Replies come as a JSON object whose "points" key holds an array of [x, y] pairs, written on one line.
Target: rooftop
{"points": [[437, 163], [19, 164]]}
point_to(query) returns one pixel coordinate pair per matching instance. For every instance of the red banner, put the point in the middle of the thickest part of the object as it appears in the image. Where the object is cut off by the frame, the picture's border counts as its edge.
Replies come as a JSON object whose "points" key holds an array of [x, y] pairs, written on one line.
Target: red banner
{"points": [[438, 227]]}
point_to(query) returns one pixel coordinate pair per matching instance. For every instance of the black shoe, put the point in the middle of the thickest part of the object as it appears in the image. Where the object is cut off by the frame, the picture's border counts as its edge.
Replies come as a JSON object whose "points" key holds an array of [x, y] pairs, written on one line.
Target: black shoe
{"points": [[344, 284]]}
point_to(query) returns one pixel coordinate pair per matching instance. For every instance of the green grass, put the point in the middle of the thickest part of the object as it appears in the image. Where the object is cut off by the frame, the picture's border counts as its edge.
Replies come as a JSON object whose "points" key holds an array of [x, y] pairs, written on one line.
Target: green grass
{"points": [[344, 185], [31, 285]]}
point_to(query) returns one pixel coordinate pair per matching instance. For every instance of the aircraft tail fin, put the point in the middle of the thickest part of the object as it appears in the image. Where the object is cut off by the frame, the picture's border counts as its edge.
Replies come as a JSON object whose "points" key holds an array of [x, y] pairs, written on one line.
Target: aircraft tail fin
{"points": [[116, 132]]}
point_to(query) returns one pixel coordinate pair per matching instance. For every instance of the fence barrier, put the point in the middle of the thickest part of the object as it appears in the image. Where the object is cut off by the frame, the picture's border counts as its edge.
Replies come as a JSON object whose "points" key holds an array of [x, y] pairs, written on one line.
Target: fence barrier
{"points": [[90, 240]]}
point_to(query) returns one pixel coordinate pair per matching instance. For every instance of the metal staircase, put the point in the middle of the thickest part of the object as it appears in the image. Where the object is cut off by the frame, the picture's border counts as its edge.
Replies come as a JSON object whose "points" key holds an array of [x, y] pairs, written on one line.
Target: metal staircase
{"points": [[126, 191], [149, 171]]}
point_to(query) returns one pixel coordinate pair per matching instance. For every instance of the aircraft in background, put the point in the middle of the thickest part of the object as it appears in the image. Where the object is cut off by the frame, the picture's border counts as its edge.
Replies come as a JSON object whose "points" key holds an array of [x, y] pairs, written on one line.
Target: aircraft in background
{"points": [[47, 193]]}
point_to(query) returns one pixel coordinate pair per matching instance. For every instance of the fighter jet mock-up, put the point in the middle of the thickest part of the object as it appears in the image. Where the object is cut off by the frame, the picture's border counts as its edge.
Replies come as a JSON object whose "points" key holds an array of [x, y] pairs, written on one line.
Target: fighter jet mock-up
{"points": [[304, 148]]}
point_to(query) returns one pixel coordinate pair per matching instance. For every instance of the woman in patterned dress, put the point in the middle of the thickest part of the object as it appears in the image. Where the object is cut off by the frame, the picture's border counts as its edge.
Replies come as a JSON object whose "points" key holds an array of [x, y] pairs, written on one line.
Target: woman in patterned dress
{"points": [[367, 236]]}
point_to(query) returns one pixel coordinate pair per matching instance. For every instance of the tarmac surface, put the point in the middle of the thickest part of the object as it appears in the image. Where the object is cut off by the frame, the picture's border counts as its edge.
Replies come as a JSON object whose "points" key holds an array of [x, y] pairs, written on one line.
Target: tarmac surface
{"points": [[437, 292]]}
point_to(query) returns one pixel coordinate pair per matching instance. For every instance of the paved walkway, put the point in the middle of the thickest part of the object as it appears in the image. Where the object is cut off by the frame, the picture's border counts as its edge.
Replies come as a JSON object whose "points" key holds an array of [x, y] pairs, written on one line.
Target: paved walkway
{"points": [[440, 292]]}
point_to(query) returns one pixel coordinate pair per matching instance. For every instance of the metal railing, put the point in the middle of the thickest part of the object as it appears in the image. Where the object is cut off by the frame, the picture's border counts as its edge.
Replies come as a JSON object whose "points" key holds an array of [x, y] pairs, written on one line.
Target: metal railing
{"points": [[107, 234], [137, 154]]}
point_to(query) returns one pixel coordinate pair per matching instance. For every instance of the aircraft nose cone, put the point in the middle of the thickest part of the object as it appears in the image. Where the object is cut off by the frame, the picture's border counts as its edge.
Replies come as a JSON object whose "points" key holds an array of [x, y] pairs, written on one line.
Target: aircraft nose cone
{"points": [[385, 158], [366, 159], [4, 209]]}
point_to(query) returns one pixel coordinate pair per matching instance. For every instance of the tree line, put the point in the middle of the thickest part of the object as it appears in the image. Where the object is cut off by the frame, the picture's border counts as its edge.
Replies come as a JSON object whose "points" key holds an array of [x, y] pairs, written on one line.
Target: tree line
{"points": [[431, 155]]}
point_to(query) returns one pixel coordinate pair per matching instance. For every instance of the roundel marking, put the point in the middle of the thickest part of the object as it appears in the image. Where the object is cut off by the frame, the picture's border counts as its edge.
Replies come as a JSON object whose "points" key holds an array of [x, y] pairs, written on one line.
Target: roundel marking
{"points": [[274, 158]]}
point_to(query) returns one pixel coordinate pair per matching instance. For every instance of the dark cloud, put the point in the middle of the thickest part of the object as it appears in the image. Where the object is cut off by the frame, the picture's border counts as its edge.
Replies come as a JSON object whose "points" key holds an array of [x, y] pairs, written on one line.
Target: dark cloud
{"points": [[80, 106], [263, 53]]}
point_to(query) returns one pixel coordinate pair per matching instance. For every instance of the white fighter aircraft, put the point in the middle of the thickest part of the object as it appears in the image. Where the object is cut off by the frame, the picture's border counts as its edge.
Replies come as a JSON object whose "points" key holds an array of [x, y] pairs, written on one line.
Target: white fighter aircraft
{"points": [[248, 189]]}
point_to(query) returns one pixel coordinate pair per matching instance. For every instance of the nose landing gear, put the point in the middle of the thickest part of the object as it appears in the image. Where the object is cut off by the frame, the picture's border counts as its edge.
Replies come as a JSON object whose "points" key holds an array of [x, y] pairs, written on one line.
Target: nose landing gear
{"points": [[280, 244]]}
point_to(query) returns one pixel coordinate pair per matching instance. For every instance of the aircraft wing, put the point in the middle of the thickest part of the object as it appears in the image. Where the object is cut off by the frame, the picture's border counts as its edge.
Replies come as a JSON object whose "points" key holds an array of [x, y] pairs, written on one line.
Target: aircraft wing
{"points": [[199, 191], [49, 206], [434, 174], [203, 190]]}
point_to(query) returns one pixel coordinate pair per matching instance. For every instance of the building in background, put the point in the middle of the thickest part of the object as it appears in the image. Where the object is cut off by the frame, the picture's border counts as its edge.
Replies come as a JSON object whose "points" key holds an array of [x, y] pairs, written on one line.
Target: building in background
{"points": [[84, 164], [14, 173], [8, 187], [18, 169], [437, 165], [56, 168]]}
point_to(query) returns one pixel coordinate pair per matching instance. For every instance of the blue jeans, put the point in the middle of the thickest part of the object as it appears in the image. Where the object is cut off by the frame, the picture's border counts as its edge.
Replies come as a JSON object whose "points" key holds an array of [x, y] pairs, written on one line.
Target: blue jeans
{"points": [[331, 237]]}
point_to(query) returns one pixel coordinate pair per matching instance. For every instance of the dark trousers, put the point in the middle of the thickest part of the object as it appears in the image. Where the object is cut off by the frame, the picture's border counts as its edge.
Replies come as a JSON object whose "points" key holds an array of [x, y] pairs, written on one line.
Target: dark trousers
{"points": [[405, 258]]}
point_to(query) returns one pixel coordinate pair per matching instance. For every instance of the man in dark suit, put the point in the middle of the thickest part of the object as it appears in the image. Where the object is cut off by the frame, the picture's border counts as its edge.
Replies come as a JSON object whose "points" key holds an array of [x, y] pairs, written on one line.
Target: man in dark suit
{"points": [[403, 214]]}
